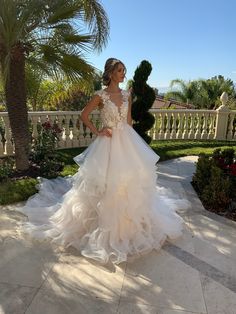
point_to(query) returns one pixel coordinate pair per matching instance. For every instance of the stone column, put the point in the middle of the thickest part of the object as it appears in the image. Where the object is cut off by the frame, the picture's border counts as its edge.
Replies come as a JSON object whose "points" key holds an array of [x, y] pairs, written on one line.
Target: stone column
{"points": [[222, 118]]}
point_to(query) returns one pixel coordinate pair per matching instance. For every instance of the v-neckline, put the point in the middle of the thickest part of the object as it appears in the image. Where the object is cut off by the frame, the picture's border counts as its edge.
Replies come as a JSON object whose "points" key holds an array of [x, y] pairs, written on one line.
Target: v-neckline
{"points": [[122, 100]]}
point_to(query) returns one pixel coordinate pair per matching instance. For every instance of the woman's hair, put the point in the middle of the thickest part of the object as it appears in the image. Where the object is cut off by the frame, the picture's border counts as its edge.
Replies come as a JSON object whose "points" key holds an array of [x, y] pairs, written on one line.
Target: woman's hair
{"points": [[110, 65]]}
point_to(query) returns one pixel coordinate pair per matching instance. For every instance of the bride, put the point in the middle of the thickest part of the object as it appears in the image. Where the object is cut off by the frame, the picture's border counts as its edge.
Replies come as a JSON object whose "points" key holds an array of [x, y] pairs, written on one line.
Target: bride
{"points": [[111, 209]]}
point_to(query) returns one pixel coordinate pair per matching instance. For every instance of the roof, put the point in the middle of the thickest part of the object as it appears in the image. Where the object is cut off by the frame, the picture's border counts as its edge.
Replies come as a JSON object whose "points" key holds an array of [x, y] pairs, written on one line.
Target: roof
{"points": [[161, 103]]}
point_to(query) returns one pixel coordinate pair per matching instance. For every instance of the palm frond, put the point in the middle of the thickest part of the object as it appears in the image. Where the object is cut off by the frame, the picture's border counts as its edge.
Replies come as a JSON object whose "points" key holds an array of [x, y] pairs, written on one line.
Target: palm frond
{"points": [[49, 53], [62, 10], [39, 64], [179, 82], [49, 33], [78, 39], [97, 20], [76, 66], [177, 95]]}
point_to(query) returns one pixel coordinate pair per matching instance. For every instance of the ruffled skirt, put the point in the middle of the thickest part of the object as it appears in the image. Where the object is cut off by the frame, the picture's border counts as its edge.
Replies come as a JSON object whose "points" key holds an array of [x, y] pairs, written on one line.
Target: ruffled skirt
{"points": [[112, 208]]}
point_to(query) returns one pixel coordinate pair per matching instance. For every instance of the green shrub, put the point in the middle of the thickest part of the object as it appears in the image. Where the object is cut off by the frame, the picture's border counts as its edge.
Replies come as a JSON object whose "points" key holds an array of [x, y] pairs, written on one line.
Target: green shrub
{"points": [[6, 168], [44, 154], [217, 193], [228, 155], [215, 181], [143, 97], [202, 176]]}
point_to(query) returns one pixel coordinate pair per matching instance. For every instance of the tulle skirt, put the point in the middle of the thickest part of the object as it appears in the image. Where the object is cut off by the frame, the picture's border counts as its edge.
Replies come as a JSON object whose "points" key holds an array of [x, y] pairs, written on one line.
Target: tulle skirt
{"points": [[112, 208]]}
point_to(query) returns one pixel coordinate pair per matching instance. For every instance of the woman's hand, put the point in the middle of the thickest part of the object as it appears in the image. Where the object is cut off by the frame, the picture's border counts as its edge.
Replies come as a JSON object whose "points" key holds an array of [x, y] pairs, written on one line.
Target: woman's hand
{"points": [[105, 132]]}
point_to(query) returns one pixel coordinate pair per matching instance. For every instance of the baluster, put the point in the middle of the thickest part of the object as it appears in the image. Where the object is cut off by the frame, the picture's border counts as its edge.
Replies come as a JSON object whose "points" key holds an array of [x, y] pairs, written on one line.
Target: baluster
{"points": [[185, 133], [150, 133], [167, 133], [43, 118], [180, 126], [75, 131], [61, 142], [49, 119], [191, 127], [155, 133], [67, 131], [211, 131], [204, 127], [230, 127], [55, 123], [173, 131], [87, 135], [198, 127], [9, 147], [35, 134], [162, 125], [81, 133]]}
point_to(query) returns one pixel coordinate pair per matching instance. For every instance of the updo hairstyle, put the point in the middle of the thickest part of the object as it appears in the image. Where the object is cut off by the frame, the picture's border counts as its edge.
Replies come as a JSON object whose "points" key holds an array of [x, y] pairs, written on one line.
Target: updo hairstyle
{"points": [[110, 65]]}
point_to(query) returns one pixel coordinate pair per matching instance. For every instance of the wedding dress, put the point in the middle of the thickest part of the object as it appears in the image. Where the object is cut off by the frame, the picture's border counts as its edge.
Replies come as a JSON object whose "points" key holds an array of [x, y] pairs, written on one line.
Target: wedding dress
{"points": [[111, 209]]}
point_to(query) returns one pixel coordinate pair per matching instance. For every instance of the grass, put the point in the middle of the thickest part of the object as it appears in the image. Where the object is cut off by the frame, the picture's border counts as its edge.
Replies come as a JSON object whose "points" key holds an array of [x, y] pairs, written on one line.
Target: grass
{"points": [[67, 155], [179, 148], [17, 191], [20, 190]]}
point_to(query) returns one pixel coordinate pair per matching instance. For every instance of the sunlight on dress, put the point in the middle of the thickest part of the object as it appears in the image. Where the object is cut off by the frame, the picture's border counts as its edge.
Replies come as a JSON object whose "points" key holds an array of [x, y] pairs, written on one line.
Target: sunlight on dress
{"points": [[111, 209]]}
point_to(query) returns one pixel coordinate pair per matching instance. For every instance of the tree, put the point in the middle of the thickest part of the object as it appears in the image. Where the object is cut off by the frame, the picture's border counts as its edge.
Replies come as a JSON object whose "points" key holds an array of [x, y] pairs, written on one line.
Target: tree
{"points": [[202, 93], [64, 96], [144, 97], [214, 88], [232, 103], [34, 79], [186, 91], [48, 35], [129, 84], [74, 96], [47, 94]]}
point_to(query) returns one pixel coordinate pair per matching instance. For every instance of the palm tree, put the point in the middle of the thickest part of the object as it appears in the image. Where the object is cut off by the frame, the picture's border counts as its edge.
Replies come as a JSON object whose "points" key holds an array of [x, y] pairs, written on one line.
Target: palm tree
{"points": [[186, 91], [50, 36], [47, 94], [63, 95], [202, 93], [214, 87]]}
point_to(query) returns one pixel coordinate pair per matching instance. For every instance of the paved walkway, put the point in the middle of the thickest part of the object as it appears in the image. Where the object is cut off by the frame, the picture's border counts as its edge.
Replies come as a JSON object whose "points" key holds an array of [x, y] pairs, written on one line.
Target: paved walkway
{"points": [[195, 274]]}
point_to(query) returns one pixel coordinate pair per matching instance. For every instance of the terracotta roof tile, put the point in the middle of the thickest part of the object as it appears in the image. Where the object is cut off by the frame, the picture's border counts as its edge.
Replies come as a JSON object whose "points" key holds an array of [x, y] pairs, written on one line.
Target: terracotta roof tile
{"points": [[160, 103]]}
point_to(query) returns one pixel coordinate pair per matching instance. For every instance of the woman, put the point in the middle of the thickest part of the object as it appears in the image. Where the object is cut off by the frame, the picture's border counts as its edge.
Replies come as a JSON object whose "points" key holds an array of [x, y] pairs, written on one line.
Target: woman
{"points": [[111, 209]]}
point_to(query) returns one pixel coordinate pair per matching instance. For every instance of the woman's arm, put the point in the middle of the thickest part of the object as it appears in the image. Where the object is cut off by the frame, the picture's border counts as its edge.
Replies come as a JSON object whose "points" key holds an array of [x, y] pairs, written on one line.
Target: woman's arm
{"points": [[91, 105]]}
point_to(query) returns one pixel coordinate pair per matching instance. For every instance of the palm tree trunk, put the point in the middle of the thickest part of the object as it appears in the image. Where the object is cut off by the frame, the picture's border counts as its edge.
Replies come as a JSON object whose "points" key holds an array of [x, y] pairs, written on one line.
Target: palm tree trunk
{"points": [[17, 108]]}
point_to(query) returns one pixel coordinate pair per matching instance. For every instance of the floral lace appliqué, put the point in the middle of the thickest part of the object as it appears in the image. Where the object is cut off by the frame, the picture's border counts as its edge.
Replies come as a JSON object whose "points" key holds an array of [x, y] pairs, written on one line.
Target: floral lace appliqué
{"points": [[113, 116]]}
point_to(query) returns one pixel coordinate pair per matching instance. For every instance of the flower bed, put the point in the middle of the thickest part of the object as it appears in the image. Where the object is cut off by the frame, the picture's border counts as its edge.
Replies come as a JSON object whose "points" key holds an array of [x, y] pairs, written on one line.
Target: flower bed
{"points": [[44, 158]]}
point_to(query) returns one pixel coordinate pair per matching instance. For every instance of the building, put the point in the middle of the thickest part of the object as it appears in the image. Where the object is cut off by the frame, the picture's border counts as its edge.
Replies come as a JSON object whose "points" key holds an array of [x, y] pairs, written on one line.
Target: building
{"points": [[161, 103]]}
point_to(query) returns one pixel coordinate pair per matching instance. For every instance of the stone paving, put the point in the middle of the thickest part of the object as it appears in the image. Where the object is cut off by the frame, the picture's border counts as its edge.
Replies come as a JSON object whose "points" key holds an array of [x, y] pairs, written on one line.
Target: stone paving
{"points": [[194, 274]]}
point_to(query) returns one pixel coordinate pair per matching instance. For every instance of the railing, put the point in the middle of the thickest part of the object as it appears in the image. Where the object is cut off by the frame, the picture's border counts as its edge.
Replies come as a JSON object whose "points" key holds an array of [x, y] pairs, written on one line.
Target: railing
{"points": [[183, 124], [174, 124]]}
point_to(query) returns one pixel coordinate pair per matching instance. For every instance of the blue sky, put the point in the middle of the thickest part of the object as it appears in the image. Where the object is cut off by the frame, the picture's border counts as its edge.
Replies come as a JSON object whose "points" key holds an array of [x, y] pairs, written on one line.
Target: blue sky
{"points": [[186, 39]]}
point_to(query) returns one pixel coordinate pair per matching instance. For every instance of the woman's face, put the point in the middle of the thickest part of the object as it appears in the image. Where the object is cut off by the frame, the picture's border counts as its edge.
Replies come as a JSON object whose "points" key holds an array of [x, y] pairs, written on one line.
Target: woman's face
{"points": [[118, 74]]}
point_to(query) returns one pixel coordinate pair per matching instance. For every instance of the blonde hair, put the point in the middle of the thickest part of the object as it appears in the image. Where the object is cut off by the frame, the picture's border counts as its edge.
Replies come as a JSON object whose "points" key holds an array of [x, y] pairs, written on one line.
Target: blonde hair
{"points": [[110, 65]]}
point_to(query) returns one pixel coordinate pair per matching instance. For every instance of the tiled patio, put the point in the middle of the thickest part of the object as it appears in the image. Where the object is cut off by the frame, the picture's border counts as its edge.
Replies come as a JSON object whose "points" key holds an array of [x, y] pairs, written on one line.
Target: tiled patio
{"points": [[194, 274]]}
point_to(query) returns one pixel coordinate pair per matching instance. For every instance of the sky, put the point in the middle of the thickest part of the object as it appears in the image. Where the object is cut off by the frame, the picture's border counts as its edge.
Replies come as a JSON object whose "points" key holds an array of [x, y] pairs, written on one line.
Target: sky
{"points": [[185, 39]]}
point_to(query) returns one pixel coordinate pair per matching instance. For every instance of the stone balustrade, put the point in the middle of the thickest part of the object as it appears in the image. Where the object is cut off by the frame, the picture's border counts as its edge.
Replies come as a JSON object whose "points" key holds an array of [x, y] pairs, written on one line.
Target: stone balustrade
{"points": [[169, 124]]}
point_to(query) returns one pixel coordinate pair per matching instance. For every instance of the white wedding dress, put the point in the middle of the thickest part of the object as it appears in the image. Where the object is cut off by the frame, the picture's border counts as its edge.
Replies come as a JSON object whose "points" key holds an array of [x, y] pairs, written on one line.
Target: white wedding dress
{"points": [[111, 209]]}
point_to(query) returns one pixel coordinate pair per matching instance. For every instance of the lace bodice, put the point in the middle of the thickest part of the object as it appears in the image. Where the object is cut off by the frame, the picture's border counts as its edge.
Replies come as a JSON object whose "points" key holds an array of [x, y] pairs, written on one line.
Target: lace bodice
{"points": [[113, 116]]}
